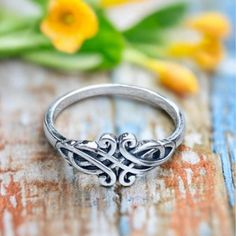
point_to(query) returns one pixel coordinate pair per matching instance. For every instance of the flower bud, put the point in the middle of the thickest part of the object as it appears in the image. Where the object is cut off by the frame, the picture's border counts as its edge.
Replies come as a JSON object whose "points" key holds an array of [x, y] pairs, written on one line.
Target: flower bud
{"points": [[212, 24], [174, 76]]}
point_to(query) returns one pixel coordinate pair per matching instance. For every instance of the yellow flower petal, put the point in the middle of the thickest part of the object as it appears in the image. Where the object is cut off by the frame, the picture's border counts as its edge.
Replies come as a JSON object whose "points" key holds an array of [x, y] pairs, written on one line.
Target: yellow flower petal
{"points": [[208, 58], [207, 53], [212, 24], [174, 76], [69, 21], [181, 49], [111, 3], [68, 45]]}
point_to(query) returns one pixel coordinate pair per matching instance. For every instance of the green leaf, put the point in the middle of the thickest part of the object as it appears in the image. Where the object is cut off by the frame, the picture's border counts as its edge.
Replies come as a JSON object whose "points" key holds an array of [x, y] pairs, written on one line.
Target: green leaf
{"points": [[104, 51], [150, 28], [43, 4], [108, 42], [16, 43], [10, 22], [64, 62]]}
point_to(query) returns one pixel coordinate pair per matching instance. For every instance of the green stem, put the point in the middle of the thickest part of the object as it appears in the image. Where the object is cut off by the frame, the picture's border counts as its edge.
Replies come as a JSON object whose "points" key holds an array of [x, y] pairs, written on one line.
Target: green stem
{"points": [[13, 25], [11, 22], [150, 49], [134, 56], [17, 43], [64, 62]]}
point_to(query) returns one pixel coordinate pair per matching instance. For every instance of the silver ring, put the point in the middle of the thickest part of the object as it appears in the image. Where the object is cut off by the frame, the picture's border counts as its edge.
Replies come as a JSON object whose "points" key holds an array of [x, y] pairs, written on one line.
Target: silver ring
{"points": [[114, 158]]}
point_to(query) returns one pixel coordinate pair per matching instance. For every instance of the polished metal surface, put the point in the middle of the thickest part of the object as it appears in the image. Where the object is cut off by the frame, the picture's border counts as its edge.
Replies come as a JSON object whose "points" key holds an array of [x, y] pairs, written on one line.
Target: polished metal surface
{"points": [[114, 158]]}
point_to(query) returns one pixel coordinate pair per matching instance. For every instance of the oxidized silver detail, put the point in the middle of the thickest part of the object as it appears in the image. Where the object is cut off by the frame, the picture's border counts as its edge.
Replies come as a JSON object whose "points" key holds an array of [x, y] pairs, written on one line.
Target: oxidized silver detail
{"points": [[114, 159]]}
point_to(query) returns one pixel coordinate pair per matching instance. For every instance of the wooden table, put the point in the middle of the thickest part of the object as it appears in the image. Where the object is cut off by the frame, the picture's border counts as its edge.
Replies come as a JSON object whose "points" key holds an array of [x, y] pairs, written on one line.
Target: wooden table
{"points": [[191, 195]]}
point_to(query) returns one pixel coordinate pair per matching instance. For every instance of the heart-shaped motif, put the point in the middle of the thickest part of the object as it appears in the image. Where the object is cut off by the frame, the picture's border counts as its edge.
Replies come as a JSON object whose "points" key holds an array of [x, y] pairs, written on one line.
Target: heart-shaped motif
{"points": [[115, 159]]}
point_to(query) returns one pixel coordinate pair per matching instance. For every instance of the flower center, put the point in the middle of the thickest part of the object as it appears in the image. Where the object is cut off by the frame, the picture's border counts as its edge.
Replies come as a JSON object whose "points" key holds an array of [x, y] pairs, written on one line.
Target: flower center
{"points": [[67, 18]]}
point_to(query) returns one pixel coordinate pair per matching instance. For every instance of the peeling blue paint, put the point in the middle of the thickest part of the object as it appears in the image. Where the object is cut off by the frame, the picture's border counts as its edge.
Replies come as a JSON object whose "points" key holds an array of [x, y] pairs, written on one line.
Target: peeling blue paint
{"points": [[124, 228], [223, 103]]}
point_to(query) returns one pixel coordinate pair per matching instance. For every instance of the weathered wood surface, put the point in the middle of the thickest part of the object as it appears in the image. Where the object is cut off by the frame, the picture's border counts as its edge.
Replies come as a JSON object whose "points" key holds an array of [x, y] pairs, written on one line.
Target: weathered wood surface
{"points": [[40, 195], [224, 108]]}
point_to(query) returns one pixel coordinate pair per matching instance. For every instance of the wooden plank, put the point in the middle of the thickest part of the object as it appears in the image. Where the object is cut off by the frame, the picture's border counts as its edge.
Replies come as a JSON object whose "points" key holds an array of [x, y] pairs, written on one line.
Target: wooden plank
{"points": [[224, 107], [180, 197], [40, 195], [224, 126]]}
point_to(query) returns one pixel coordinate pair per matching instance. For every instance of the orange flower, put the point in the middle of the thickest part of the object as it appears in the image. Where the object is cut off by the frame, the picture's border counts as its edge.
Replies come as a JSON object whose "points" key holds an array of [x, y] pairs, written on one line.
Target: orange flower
{"points": [[69, 23]]}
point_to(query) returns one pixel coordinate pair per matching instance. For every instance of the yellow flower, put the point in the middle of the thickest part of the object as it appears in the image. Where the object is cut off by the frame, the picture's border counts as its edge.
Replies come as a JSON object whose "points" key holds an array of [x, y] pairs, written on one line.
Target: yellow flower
{"points": [[69, 23], [207, 53], [212, 24], [181, 49], [174, 76], [110, 3]]}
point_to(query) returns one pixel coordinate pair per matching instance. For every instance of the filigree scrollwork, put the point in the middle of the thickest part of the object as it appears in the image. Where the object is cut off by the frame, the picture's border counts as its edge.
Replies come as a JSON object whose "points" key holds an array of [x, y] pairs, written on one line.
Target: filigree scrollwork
{"points": [[115, 159]]}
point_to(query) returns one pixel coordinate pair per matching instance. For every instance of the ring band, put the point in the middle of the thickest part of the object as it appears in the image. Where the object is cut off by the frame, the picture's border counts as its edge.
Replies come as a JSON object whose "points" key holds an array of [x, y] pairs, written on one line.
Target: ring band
{"points": [[114, 158]]}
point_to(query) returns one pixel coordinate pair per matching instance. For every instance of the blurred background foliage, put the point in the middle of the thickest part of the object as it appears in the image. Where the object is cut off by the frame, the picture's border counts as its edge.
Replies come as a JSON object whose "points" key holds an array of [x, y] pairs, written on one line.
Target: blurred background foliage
{"points": [[78, 35]]}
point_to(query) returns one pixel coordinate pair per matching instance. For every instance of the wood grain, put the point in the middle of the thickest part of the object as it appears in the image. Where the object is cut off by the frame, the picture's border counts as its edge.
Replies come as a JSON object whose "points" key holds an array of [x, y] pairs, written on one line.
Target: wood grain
{"points": [[224, 107], [41, 196], [224, 134]]}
